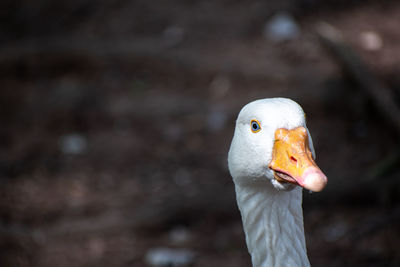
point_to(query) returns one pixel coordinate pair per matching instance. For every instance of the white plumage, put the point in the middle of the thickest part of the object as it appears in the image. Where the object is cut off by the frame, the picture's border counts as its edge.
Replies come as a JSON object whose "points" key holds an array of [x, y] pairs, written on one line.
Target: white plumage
{"points": [[269, 166]]}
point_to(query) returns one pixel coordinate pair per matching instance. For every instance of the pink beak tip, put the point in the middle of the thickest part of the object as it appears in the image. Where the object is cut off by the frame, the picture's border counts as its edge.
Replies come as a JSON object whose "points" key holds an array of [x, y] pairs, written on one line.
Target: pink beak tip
{"points": [[314, 180]]}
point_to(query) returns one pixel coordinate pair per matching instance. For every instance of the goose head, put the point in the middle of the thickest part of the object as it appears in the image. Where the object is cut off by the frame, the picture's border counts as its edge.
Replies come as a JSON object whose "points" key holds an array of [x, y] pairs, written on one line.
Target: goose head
{"points": [[272, 145]]}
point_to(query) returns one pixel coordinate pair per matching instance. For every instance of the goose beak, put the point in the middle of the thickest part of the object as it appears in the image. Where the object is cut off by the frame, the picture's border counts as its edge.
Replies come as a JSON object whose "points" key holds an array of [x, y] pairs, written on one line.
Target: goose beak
{"points": [[292, 160]]}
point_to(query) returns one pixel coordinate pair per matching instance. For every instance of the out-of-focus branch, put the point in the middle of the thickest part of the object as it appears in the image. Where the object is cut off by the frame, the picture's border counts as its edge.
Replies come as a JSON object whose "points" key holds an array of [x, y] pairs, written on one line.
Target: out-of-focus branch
{"points": [[352, 65]]}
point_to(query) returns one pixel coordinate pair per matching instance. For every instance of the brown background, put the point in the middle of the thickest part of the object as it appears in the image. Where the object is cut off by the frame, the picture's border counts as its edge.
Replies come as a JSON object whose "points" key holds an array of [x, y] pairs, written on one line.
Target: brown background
{"points": [[149, 91]]}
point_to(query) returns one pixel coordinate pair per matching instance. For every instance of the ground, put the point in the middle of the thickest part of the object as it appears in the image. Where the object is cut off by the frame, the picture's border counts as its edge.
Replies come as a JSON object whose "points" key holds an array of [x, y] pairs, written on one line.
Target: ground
{"points": [[116, 118]]}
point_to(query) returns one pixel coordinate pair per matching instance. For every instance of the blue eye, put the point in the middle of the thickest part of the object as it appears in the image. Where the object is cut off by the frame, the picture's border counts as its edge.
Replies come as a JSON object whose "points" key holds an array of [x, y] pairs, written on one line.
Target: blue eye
{"points": [[255, 126]]}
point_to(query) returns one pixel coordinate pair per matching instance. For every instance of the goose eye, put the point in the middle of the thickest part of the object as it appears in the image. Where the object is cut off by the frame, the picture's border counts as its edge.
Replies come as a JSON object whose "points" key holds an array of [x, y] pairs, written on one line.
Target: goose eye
{"points": [[255, 126]]}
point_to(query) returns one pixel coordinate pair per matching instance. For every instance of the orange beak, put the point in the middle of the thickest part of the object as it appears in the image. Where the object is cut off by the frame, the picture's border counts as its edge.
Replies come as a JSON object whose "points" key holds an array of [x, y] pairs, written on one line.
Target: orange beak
{"points": [[292, 160]]}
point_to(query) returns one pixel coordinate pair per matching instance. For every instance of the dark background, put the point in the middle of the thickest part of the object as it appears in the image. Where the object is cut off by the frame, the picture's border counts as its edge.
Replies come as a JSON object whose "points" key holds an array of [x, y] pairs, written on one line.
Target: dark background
{"points": [[116, 118]]}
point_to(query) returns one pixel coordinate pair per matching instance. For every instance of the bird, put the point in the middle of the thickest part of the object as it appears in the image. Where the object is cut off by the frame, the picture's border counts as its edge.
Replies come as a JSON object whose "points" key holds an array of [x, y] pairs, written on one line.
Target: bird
{"points": [[271, 160]]}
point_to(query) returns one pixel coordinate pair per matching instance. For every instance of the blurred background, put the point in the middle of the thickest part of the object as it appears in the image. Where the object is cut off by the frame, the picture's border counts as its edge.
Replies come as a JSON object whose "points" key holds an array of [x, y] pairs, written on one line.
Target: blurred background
{"points": [[116, 118]]}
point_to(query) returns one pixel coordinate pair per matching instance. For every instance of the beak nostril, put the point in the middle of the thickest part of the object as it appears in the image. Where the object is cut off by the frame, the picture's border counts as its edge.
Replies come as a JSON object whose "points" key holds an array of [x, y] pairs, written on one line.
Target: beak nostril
{"points": [[293, 159]]}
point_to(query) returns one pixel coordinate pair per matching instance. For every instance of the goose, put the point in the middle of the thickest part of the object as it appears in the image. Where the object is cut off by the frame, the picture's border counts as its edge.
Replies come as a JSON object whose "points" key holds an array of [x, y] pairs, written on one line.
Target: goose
{"points": [[271, 159]]}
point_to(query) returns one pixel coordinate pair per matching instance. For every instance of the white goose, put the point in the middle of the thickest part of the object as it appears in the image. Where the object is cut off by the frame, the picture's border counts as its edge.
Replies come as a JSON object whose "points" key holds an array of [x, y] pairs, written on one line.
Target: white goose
{"points": [[271, 159]]}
